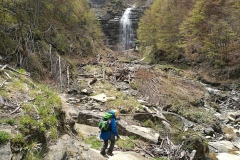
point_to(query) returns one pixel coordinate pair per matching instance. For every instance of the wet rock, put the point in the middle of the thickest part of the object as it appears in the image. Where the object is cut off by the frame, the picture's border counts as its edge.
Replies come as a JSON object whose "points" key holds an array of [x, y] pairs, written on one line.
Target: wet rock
{"points": [[209, 131], [5, 151]]}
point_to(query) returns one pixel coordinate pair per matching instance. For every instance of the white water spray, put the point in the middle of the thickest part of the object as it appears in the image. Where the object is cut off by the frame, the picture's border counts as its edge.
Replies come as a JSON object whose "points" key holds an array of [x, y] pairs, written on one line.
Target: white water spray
{"points": [[126, 31]]}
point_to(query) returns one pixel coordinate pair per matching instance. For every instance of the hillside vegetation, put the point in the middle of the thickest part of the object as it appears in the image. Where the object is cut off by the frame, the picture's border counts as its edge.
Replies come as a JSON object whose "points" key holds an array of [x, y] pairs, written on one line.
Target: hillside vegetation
{"points": [[34, 33], [30, 115], [200, 33]]}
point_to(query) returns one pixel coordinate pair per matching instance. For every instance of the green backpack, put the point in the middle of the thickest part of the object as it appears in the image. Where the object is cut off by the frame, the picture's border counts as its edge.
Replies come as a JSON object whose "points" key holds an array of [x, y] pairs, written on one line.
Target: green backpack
{"points": [[104, 123]]}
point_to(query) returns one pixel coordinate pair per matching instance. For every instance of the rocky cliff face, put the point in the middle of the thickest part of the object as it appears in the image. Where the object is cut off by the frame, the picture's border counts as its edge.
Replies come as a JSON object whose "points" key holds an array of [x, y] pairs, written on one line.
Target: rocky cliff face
{"points": [[109, 15]]}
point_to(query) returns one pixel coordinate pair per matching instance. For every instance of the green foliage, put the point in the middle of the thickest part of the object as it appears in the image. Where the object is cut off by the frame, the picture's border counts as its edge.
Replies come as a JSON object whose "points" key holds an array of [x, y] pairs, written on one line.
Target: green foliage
{"points": [[203, 30], [10, 121], [4, 137], [126, 143], [134, 85], [95, 143], [203, 35], [18, 138], [148, 123], [159, 27], [29, 26]]}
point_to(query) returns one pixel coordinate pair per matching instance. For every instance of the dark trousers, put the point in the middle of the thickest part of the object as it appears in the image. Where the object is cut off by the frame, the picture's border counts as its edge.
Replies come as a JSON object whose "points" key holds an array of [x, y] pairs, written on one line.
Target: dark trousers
{"points": [[112, 143]]}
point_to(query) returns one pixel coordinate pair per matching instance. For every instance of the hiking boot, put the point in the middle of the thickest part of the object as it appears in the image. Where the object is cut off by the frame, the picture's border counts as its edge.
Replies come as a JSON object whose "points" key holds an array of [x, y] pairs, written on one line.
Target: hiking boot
{"points": [[110, 153], [103, 153]]}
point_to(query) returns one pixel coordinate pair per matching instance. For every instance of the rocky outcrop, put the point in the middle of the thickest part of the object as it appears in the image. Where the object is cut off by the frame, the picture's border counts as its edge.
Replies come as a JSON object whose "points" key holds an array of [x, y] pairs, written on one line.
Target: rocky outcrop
{"points": [[68, 148], [91, 118], [109, 15], [5, 151]]}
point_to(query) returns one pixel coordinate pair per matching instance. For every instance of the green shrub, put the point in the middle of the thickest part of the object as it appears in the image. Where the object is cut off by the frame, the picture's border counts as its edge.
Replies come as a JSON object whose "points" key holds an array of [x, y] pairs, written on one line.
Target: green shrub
{"points": [[18, 138], [10, 121], [4, 137]]}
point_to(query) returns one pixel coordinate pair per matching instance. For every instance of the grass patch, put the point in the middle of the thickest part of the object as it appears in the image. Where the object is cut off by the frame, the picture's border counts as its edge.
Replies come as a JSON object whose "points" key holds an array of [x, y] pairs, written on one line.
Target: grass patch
{"points": [[148, 123], [4, 137], [94, 142], [18, 138], [126, 143]]}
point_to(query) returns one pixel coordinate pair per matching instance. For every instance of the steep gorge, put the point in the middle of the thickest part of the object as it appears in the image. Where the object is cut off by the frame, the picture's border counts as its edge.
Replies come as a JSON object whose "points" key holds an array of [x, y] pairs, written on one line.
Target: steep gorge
{"points": [[82, 68]]}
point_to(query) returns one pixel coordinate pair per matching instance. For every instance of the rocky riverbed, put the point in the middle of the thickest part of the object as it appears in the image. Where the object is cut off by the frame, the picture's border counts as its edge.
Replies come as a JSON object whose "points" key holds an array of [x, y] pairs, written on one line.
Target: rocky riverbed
{"points": [[164, 110]]}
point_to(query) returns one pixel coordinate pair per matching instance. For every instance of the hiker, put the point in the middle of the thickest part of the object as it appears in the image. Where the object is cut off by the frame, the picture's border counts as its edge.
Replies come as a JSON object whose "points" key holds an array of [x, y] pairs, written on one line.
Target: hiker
{"points": [[110, 134]]}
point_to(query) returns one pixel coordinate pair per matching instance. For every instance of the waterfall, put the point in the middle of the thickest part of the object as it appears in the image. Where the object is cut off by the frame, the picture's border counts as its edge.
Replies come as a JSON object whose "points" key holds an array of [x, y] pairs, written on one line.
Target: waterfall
{"points": [[126, 31]]}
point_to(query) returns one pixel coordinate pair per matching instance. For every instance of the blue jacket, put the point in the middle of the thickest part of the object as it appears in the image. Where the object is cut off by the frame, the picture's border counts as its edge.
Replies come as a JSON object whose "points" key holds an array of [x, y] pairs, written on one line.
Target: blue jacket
{"points": [[113, 128]]}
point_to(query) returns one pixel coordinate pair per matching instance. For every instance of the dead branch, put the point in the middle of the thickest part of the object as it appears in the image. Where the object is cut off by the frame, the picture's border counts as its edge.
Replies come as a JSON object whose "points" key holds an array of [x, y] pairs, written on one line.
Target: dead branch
{"points": [[68, 77], [94, 80], [193, 154], [15, 110], [12, 69], [149, 153], [86, 75], [3, 83]]}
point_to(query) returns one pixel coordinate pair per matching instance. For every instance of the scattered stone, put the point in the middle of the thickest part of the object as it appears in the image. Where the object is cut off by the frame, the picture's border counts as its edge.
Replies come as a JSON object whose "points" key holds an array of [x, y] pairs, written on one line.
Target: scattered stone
{"points": [[142, 102], [237, 120], [72, 91], [238, 133], [228, 137], [122, 86], [221, 138], [86, 91], [209, 131], [231, 116], [102, 97]]}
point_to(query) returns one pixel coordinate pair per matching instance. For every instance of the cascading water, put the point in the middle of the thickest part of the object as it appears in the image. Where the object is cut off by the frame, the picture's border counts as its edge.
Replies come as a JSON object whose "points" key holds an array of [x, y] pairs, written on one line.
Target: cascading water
{"points": [[126, 31]]}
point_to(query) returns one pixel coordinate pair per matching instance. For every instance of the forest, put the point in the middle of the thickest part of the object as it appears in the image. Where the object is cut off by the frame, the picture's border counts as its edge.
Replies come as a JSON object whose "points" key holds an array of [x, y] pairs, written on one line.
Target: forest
{"points": [[200, 32], [34, 33]]}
